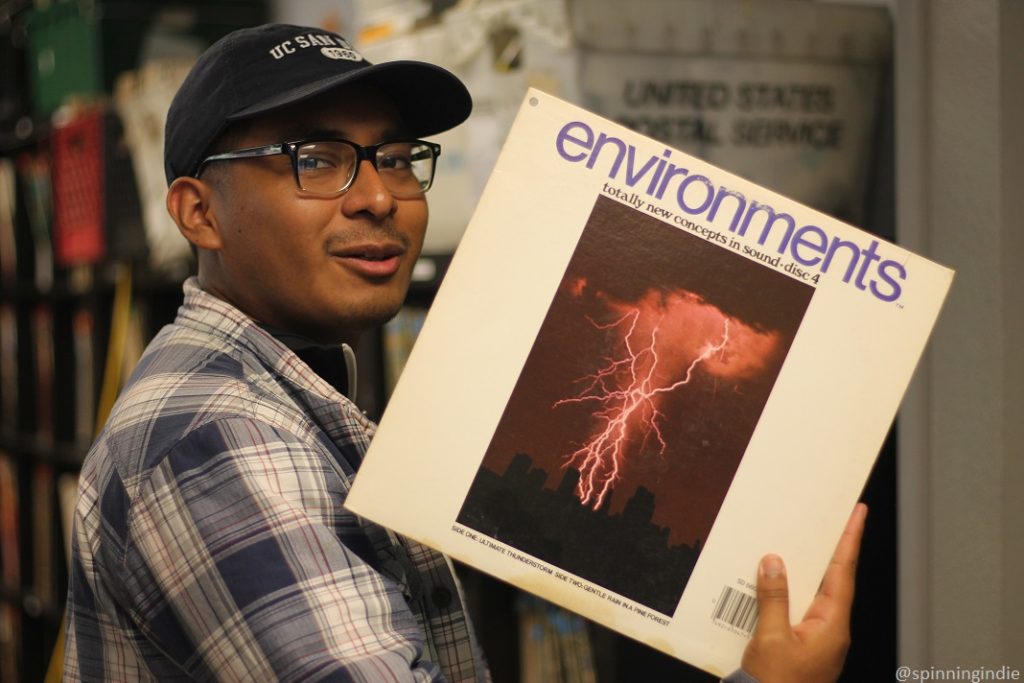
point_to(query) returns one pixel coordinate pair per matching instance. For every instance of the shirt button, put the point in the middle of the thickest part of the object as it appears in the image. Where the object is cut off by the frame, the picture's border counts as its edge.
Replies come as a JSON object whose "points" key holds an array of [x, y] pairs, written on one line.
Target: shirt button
{"points": [[441, 597]]}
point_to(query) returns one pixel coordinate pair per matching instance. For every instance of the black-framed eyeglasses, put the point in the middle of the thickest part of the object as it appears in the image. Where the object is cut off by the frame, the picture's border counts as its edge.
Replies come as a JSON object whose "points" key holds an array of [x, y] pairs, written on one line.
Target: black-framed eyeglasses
{"points": [[327, 168]]}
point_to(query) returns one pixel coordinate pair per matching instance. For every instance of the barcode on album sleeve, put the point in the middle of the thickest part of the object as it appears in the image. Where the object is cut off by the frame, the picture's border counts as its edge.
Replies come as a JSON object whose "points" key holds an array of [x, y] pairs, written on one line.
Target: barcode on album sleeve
{"points": [[736, 608]]}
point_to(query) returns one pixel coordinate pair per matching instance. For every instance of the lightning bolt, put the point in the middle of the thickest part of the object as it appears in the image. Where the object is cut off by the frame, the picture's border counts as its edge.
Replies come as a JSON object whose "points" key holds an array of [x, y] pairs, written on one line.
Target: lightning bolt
{"points": [[624, 390]]}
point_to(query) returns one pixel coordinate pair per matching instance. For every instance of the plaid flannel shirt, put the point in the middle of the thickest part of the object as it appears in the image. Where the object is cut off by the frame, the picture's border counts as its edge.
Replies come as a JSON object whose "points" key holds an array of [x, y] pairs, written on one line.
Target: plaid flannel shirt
{"points": [[210, 541]]}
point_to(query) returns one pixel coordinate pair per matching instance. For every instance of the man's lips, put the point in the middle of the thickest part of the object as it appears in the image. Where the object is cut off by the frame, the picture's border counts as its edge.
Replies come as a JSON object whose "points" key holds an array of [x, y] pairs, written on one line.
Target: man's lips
{"points": [[371, 260]]}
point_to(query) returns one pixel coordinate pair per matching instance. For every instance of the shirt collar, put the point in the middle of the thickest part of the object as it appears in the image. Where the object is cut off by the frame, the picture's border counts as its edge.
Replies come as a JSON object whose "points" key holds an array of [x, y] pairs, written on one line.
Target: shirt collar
{"points": [[334, 363]]}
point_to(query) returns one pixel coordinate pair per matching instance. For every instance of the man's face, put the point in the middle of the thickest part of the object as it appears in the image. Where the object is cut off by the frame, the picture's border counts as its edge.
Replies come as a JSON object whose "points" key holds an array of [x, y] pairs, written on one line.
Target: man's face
{"points": [[326, 268]]}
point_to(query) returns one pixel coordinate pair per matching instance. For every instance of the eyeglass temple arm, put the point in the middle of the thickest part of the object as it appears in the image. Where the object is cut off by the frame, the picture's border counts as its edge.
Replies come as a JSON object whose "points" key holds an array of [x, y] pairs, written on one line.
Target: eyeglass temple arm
{"points": [[266, 150]]}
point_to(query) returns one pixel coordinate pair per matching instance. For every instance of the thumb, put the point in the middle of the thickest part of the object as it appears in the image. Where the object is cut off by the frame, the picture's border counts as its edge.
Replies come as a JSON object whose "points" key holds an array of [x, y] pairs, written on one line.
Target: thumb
{"points": [[772, 596]]}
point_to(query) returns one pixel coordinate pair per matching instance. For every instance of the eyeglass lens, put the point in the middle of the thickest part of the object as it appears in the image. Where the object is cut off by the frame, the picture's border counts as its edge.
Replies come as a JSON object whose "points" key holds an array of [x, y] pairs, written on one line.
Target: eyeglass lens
{"points": [[405, 168]]}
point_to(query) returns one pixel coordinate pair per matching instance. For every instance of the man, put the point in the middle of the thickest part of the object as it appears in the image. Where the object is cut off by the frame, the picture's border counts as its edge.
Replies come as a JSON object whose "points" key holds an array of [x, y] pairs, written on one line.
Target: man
{"points": [[210, 539]]}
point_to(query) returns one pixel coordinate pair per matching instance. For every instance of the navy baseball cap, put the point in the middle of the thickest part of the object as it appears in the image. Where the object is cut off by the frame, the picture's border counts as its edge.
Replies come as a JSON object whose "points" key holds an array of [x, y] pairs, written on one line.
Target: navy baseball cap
{"points": [[256, 70]]}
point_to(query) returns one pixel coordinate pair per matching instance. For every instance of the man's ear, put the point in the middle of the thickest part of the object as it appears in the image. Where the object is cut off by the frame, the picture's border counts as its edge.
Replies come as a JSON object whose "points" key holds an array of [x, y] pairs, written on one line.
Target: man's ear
{"points": [[188, 203]]}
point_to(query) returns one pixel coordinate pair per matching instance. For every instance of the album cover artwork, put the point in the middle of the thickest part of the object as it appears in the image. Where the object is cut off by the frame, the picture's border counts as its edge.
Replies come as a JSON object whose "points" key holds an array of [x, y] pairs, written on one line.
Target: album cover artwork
{"points": [[635, 405]]}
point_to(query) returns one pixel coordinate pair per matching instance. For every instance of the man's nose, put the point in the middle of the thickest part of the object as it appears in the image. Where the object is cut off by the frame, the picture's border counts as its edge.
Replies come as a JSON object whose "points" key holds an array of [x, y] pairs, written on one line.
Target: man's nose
{"points": [[368, 193]]}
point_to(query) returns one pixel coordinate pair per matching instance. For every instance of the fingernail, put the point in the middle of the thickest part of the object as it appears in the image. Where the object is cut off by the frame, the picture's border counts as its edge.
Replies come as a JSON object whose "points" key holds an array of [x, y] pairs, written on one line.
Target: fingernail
{"points": [[772, 567]]}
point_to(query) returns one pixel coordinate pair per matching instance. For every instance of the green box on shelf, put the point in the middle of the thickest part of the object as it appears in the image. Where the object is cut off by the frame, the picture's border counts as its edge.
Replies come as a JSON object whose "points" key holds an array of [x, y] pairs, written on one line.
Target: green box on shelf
{"points": [[65, 58]]}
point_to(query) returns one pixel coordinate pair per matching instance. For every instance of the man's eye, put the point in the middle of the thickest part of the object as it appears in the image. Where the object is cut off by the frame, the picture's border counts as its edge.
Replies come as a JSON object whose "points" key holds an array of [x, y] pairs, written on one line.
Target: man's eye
{"points": [[395, 161], [317, 163]]}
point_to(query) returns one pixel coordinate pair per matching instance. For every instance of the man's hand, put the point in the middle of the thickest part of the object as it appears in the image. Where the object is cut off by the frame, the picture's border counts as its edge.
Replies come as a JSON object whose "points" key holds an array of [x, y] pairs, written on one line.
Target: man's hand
{"points": [[813, 651]]}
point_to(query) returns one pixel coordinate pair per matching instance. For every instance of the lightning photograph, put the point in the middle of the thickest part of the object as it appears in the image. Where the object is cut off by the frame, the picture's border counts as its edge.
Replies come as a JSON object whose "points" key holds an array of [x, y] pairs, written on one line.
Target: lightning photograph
{"points": [[635, 405]]}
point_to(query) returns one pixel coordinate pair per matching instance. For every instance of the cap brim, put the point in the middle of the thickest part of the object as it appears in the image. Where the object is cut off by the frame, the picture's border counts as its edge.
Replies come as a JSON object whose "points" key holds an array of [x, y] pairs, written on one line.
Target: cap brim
{"points": [[430, 99]]}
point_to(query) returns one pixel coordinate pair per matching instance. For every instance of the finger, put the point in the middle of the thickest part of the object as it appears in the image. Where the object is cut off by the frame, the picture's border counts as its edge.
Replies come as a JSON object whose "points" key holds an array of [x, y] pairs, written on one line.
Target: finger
{"points": [[772, 596], [838, 585]]}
